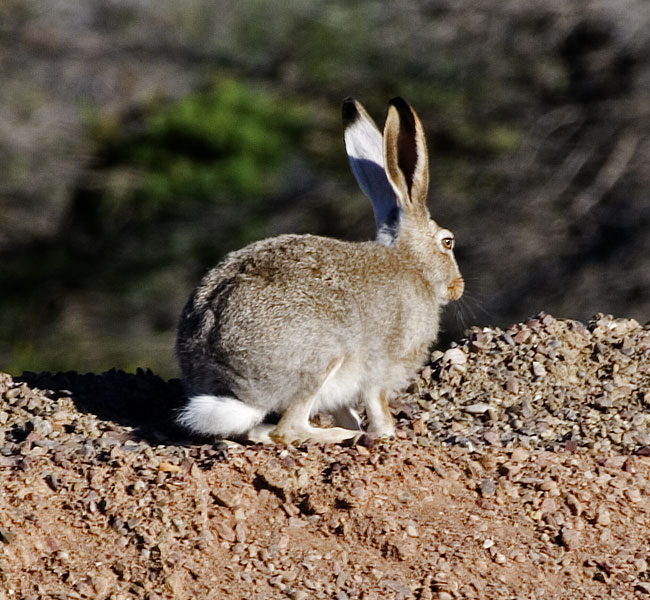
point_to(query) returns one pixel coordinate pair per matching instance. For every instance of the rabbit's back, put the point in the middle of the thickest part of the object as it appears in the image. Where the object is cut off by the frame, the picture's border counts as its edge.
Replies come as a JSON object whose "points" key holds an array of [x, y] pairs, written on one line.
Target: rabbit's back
{"points": [[270, 319]]}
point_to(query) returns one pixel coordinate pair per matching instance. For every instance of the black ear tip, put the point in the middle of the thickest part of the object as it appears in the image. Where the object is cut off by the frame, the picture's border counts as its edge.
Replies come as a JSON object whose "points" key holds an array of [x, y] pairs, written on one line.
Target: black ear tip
{"points": [[349, 110], [399, 103], [403, 109]]}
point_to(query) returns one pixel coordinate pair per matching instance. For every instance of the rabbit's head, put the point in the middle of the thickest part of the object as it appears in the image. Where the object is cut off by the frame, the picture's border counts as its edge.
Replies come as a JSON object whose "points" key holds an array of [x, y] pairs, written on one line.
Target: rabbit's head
{"points": [[407, 168], [393, 171]]}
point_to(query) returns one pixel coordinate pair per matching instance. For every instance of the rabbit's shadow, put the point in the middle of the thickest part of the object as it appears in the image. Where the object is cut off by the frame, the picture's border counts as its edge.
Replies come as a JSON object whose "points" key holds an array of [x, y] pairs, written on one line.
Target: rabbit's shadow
{"points": [[142, 400]]}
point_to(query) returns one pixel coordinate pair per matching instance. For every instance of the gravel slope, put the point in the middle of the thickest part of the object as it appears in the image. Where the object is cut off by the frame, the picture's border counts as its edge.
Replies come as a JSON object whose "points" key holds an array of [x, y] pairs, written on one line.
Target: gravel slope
{"points": [[521, 470]]}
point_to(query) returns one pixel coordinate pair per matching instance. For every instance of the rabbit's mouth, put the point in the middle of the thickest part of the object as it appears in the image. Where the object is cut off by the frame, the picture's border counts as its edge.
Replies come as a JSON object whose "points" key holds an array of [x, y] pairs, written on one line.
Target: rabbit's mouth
{"points": [[456, 288]]}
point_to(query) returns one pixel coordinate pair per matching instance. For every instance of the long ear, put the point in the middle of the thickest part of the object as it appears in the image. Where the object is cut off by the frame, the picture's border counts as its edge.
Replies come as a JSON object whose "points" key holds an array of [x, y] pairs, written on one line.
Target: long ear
{"points": [[364, 146], [405, 156]]}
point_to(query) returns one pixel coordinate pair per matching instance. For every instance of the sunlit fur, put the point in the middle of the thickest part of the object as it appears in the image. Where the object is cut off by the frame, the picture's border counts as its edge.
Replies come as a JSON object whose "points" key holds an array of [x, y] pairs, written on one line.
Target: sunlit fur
{"points": [[299, 323]]}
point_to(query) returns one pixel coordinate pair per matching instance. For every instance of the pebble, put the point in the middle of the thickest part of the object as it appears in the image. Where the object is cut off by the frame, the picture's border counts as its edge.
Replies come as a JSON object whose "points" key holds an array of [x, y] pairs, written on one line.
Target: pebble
{"points": [[641, 565], [477, 409], [548, 485], [487, 488], [167, 467], [241, 532], [492, 438], [574, 505], [633, 494], [538, 370], [548, 506], [500, 370], [603, 517], [642, 586], [512, 384], [6, 536], [454, 356], [519, 454], [570, 538]]}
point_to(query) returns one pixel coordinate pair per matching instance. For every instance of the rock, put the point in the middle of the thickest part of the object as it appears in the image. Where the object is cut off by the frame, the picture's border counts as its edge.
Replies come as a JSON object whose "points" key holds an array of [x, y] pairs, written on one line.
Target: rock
{"points": [[52, 481], [6, 536], [519, 454], [512, 384], [603, 517], [166, 467], [570, 538], [487, 488], [538, 370], [492, 438], [643, 587], [477, 409], [241, 532], [548, 506], [633, 494], [454, 356], [574, 505], [522, 336]]}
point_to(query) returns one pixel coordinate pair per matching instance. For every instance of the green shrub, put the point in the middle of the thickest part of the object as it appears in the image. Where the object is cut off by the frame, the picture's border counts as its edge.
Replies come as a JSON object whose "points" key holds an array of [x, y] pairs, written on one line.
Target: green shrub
{"points": [[224, 144]]}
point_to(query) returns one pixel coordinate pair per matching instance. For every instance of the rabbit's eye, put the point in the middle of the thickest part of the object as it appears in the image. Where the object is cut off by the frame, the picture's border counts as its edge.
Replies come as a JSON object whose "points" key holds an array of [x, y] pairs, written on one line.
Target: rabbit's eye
{"points": [[448, 243]]}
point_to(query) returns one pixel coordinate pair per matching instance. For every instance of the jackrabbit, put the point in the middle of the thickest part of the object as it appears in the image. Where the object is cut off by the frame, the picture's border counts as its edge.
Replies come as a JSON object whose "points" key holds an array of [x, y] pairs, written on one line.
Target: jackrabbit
{"points": [[300, 324]]}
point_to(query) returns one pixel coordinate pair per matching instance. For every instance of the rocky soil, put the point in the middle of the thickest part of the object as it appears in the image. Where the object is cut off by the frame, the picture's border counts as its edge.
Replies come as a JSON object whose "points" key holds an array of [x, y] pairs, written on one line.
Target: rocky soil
{"points": [[521, 470]]}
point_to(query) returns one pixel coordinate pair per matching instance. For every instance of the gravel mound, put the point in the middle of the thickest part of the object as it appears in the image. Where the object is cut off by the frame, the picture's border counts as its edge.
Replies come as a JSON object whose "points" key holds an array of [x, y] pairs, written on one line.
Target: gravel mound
{"points": [[546, 383], [521, 469]]}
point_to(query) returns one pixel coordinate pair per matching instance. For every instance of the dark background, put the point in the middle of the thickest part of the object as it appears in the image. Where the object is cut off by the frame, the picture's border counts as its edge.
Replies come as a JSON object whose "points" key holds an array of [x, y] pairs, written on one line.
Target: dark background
{"points": [[141, 140]]}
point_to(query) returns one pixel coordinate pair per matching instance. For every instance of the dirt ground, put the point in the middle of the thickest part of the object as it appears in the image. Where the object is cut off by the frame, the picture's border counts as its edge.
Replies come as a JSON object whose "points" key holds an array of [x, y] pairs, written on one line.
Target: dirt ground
{"points": [[99, 500]]}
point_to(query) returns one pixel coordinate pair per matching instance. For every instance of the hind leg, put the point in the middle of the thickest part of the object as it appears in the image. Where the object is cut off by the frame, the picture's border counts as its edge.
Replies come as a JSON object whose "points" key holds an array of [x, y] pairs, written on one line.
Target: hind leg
{"points": [[294, 424], [294, 427]]}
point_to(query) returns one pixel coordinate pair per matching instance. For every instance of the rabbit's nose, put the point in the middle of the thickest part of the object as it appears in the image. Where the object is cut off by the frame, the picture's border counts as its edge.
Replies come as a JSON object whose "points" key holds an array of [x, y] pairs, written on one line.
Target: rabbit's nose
{"points": [[456, 288]]}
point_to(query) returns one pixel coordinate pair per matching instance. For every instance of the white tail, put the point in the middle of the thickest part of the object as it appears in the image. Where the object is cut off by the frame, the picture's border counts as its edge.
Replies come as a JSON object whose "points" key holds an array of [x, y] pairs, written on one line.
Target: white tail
{"points": [[219, 415]]}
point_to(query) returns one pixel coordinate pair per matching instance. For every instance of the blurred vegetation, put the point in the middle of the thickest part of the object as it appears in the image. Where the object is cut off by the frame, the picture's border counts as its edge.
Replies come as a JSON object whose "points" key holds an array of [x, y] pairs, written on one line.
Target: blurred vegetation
{"points": [[225, 142], [219, 152], [140, 142]]}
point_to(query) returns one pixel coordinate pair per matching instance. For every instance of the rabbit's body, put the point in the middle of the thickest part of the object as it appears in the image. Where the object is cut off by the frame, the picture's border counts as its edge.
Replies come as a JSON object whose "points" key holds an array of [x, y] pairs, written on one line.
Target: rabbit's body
{"points": [[299, 324], [274, 317]]}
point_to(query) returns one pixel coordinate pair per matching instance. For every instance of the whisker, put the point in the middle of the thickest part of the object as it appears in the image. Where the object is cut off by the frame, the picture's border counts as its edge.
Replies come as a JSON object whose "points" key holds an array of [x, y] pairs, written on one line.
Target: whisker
{"points": [[477, 305], [460, 314], [469, 310]]}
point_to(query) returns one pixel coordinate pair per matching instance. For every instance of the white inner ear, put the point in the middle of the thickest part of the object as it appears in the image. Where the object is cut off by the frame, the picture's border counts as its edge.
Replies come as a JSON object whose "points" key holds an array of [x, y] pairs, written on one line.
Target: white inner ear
{"points": [[363, 141], [364, 146]]}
